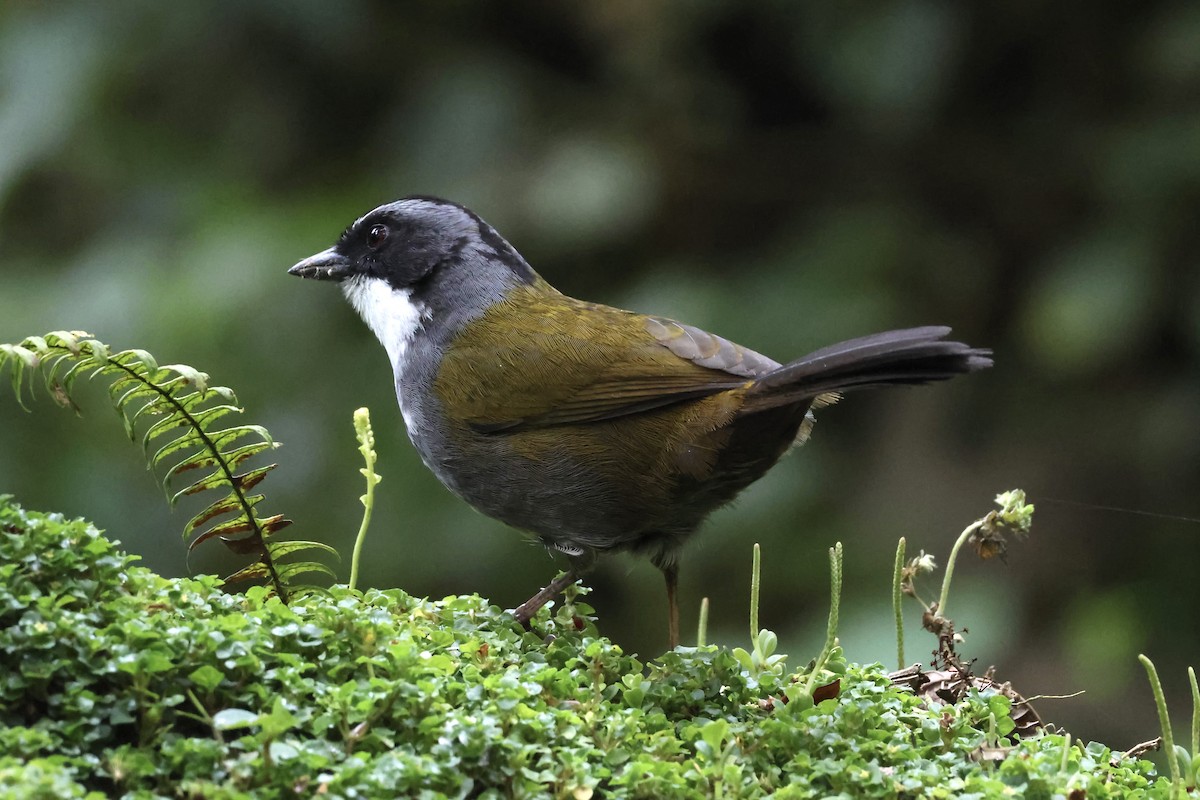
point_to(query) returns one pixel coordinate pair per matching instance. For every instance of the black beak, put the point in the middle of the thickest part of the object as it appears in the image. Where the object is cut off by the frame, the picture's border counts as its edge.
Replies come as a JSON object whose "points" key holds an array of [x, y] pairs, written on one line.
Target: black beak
{"points": [[327, 265]]}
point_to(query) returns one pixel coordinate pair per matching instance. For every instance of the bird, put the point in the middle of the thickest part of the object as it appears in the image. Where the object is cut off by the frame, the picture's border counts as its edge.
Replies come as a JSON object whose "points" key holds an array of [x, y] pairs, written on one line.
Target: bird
{"points": [[593, 429]]}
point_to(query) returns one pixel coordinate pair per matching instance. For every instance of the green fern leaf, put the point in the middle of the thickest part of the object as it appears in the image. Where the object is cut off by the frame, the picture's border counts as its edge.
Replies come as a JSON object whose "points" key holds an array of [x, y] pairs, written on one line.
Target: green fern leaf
{"points": [[239, 524], [129, 388], [202, 419], [190, 438], [225, 536], [244, 546], [280, 549], [168, 423], [73, 371], [274, 524], [256, 571], [137, 359], [225, 505], [290, 570], [232, 458], [175, 402], [21, 360], [227, 436], [189, 376], [245, 481], [248, 480]]}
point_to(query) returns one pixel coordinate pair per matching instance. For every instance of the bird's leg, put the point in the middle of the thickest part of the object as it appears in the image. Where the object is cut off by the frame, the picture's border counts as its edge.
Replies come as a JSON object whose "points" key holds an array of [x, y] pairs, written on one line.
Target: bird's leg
{"points": [[671, 575], [526, 610]]}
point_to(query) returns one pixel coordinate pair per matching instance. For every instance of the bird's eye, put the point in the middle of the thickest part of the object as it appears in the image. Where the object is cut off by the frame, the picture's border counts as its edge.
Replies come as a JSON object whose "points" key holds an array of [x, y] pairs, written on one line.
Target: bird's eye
{"points": [[377, 236]]}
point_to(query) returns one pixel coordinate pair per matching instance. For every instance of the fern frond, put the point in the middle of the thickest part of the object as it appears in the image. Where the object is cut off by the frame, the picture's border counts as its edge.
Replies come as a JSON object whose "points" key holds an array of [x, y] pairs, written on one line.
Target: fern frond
{"points": [[281, 549], [185, 410], [293, 568], [254, 572]]}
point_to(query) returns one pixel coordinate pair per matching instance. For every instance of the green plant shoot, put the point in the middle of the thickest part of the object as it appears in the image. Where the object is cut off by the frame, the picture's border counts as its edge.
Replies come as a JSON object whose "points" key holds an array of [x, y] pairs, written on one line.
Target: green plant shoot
{"points": [[897, 593], [1164, 721], [366, 446]]}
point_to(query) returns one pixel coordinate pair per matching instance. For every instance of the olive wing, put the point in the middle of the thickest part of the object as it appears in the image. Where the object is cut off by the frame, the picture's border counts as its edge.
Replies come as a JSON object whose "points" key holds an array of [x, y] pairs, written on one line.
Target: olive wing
{"points": [[575, 363]]}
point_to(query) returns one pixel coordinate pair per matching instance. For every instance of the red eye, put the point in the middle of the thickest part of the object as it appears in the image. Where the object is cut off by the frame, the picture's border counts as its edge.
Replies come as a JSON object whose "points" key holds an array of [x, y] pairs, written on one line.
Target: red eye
{"points": [[377, 236]]}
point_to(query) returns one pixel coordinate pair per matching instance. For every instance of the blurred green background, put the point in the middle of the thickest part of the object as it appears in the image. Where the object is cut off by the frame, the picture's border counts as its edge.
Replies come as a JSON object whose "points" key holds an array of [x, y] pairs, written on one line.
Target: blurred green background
{"points": [[786, 174]]}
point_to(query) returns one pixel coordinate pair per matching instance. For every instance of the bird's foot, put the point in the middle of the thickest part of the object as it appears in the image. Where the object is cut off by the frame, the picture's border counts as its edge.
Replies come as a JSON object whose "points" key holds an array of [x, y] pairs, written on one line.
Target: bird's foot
{"points": [[526, 611]]}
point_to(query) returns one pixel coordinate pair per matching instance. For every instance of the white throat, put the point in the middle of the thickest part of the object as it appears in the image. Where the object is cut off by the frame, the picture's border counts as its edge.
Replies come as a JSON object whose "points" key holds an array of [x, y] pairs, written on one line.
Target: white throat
{"points": [[390, 313]]}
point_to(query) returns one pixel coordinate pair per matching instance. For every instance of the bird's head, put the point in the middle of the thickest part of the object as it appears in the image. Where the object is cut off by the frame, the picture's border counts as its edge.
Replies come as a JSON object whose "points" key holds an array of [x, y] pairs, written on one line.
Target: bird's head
{"points": [[418, 263]]}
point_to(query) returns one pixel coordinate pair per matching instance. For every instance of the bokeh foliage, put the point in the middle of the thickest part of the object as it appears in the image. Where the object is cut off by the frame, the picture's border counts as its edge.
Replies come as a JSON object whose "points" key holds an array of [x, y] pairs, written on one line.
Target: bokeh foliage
{"points": [[783, 173]]}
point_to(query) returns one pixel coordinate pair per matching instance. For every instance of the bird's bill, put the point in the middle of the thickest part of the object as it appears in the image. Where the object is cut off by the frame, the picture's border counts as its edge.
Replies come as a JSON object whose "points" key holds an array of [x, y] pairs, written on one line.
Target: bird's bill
{"points": [[327, 265]]}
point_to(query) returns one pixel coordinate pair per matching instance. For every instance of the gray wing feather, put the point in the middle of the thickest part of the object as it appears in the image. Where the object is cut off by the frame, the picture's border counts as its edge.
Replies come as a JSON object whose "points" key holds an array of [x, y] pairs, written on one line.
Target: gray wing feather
{"points": [[708, 350]]}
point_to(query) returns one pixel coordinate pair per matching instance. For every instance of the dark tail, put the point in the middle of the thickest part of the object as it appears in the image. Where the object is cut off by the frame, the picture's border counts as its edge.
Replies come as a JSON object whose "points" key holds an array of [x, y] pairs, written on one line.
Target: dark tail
{"points": [[911, 356]]}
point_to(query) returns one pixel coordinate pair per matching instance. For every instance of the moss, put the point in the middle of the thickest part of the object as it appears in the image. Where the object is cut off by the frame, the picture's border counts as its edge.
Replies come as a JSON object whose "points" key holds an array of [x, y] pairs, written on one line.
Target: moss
{"points": [[114, 680]]}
